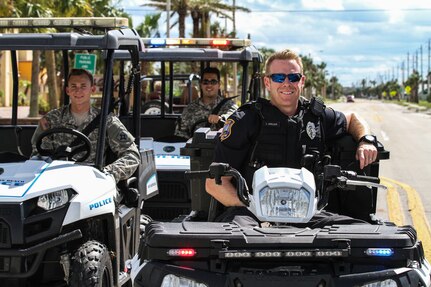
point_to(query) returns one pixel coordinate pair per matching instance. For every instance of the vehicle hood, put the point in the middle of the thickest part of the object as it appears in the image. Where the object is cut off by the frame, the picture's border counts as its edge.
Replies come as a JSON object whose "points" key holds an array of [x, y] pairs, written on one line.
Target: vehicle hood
{"points": [[24, 180]]}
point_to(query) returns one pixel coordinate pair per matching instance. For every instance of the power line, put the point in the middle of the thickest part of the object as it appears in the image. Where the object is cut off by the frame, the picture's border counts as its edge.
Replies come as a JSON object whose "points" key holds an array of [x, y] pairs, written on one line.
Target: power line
{"points": [[341, 11], [143, 9]]}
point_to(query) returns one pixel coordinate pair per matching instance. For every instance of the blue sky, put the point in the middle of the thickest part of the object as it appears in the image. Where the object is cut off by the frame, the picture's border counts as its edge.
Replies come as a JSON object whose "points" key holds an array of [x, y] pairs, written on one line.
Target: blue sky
{"points": [[367, 39]]}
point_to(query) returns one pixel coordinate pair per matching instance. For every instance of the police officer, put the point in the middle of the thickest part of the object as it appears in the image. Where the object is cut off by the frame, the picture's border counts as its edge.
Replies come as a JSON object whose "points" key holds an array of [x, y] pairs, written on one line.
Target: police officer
{"points": [[277, 132], [77, 115], [210, 108]]}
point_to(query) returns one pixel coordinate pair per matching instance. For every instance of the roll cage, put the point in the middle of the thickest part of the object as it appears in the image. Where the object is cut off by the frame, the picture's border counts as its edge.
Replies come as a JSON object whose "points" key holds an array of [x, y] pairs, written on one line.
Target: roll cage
{"points": [[114, 38]]}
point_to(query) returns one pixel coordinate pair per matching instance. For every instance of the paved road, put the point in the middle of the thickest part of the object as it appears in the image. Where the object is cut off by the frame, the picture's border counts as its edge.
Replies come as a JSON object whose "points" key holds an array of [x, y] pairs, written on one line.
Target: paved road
{"points": [[406, 133]]}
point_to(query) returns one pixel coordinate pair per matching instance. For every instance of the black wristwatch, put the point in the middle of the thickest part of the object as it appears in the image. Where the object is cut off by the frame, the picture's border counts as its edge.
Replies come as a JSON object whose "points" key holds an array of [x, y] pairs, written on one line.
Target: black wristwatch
{"points": [[369, 139]]}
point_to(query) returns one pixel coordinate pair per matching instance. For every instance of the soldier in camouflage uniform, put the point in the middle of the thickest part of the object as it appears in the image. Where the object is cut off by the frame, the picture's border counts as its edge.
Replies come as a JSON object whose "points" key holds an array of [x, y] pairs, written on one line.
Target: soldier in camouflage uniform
{"points": [[77, 115], [201, 109]]}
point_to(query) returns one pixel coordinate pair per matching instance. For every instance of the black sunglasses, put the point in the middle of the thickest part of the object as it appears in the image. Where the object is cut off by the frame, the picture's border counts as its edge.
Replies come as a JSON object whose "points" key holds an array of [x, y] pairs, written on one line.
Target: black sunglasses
{"points": [[212, 82], [280, 77]]}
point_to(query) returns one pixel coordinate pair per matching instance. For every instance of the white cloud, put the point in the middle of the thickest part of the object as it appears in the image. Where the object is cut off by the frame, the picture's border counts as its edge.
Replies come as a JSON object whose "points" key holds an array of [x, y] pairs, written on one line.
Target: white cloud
{"points": [[354, 44], [345, 30], [323, 4]]}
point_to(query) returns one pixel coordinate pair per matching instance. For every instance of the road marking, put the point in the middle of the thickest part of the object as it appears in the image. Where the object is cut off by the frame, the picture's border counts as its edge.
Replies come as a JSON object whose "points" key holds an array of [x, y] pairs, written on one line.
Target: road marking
{"points": [[394, 203], [417, 213], [384, 135]]}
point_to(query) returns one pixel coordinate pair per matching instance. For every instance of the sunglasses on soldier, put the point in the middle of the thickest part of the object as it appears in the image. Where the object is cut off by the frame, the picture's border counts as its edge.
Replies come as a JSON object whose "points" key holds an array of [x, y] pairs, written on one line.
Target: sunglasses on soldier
{"points": [[207, 82]]}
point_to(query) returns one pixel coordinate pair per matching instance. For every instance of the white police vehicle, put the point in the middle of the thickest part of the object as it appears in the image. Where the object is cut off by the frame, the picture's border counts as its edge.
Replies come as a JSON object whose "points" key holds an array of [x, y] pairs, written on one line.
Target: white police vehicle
{"points": [[61, 222]]}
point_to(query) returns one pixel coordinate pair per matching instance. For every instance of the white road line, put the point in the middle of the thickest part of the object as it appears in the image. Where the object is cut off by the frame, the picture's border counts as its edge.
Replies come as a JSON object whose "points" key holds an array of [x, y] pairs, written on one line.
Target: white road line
{"points": [[384, 135]]}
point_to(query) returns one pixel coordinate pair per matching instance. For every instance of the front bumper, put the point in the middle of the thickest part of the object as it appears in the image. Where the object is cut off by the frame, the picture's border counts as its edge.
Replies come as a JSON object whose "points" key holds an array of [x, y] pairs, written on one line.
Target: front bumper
{"points": [[23, 263], [153, 272]]}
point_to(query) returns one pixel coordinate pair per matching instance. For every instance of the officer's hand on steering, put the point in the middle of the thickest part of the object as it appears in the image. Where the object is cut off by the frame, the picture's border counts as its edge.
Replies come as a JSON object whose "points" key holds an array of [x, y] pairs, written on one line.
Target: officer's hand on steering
{"points": [[366, 154], [213, 119]]}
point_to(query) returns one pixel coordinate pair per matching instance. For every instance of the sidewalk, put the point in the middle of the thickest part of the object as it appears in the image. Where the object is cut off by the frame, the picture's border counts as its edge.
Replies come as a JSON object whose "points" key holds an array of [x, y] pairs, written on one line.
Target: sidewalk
{"points": [[6, 112], [418, 109]]}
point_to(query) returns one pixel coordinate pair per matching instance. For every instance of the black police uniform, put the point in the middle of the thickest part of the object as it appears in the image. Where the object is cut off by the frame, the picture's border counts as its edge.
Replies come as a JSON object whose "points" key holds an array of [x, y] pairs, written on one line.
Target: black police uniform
{"points": [[258, 134]]}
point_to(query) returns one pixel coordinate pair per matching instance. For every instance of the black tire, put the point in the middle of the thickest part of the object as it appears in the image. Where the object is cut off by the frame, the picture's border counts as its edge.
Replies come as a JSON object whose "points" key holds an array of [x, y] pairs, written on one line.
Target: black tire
{"points": [[92, 266]]}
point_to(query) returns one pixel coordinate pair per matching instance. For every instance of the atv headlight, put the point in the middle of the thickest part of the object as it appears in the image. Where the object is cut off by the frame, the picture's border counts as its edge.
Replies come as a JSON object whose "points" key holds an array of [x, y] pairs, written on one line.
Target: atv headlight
{"points": [[284, 195], [172, 280], [53, 200], [284, 202]]}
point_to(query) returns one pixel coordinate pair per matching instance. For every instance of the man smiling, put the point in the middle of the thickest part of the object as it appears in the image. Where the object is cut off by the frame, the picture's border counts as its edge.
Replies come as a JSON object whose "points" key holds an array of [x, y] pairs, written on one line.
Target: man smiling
{"points": [[210, 109], [279, 131], [78, 115]]}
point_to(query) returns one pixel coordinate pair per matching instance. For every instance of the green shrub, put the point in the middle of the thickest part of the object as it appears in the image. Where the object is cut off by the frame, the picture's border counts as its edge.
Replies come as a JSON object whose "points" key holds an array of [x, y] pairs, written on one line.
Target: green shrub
{"points": [[43, 106]]}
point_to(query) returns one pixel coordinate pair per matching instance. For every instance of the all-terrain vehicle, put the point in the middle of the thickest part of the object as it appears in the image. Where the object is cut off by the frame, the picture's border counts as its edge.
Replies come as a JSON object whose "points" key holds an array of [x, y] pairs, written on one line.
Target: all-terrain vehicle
{"points": [[62, 222], [183, 246], [191, 251]]}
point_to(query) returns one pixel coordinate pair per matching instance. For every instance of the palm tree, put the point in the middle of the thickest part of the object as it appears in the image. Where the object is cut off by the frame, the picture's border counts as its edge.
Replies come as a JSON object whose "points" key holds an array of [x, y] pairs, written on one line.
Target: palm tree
{"points": [[413, 82], [24, 9], [200, 12], [180, 7], [148, 28]]}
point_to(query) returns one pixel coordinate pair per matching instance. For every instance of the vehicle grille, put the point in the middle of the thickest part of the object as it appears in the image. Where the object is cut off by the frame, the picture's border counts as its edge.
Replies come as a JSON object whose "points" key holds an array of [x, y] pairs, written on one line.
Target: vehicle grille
{"points": [[173, 200], [4, 235]]}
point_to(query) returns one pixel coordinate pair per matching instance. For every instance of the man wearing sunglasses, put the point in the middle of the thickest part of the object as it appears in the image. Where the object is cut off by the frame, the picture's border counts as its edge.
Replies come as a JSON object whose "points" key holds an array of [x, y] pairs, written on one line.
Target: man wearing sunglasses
{"points": [[279, 131], [209, 110]]}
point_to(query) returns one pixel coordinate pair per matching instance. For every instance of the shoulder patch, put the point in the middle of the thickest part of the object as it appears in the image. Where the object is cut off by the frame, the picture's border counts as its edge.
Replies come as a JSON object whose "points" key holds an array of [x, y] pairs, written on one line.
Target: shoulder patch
{"points": [[227, 129], [122, 137]]}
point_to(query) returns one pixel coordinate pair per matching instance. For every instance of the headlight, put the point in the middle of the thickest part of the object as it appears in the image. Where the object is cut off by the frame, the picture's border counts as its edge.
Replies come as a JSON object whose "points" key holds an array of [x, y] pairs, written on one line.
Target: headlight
{"points": [[53, 200], [385, 283], [283, 195], [285, 203], [171, 280]]}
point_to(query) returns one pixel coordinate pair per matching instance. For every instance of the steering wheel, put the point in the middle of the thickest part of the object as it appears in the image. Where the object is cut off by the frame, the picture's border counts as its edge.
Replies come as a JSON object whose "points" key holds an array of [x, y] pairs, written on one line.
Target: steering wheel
{"points": [[80, 144], [218, 125]]}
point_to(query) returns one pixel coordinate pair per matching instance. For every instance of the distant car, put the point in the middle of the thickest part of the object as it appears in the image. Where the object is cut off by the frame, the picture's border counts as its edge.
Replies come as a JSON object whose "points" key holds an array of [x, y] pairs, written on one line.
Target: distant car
{"points": [[350, 98]]}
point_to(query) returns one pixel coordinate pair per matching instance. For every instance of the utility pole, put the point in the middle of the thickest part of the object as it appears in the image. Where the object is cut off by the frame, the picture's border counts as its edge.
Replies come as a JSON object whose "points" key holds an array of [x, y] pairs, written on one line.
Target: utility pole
{"points": [[422, 72], [417, 61], [234, 66], [428, 74], [408, 67], [402, 80], [168, 11]]}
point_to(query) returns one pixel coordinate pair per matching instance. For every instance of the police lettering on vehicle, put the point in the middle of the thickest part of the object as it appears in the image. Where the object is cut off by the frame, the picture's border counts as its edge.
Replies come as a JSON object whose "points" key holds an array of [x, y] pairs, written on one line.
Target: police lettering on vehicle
{"points": [[12, 182], [100, 203]]}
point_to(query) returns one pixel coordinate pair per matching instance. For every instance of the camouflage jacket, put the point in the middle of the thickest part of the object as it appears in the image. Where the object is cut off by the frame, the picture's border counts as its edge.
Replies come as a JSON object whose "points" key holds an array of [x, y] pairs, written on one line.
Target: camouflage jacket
{"points": [[197, 111], [120, 141]]}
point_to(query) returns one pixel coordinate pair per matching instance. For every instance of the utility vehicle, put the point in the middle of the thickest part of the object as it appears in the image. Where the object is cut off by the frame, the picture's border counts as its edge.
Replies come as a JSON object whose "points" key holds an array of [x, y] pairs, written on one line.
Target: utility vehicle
{"points": [[178, 64], [62, 223]]}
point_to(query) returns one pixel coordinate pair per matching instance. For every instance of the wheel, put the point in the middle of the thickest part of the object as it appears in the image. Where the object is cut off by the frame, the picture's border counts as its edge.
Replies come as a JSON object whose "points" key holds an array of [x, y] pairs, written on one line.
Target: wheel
{"points": [[83, 144], [92, 266], [153, 107]]}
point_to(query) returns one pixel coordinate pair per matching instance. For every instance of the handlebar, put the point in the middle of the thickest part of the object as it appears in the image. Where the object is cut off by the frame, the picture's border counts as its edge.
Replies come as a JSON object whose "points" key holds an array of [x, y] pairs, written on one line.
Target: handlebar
{"points": [[216, 171], [343, 178]]}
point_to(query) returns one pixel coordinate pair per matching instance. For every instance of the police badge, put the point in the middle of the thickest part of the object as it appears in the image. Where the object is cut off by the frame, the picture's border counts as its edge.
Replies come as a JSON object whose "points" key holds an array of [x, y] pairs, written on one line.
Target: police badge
{"points": [[311, 130]]}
